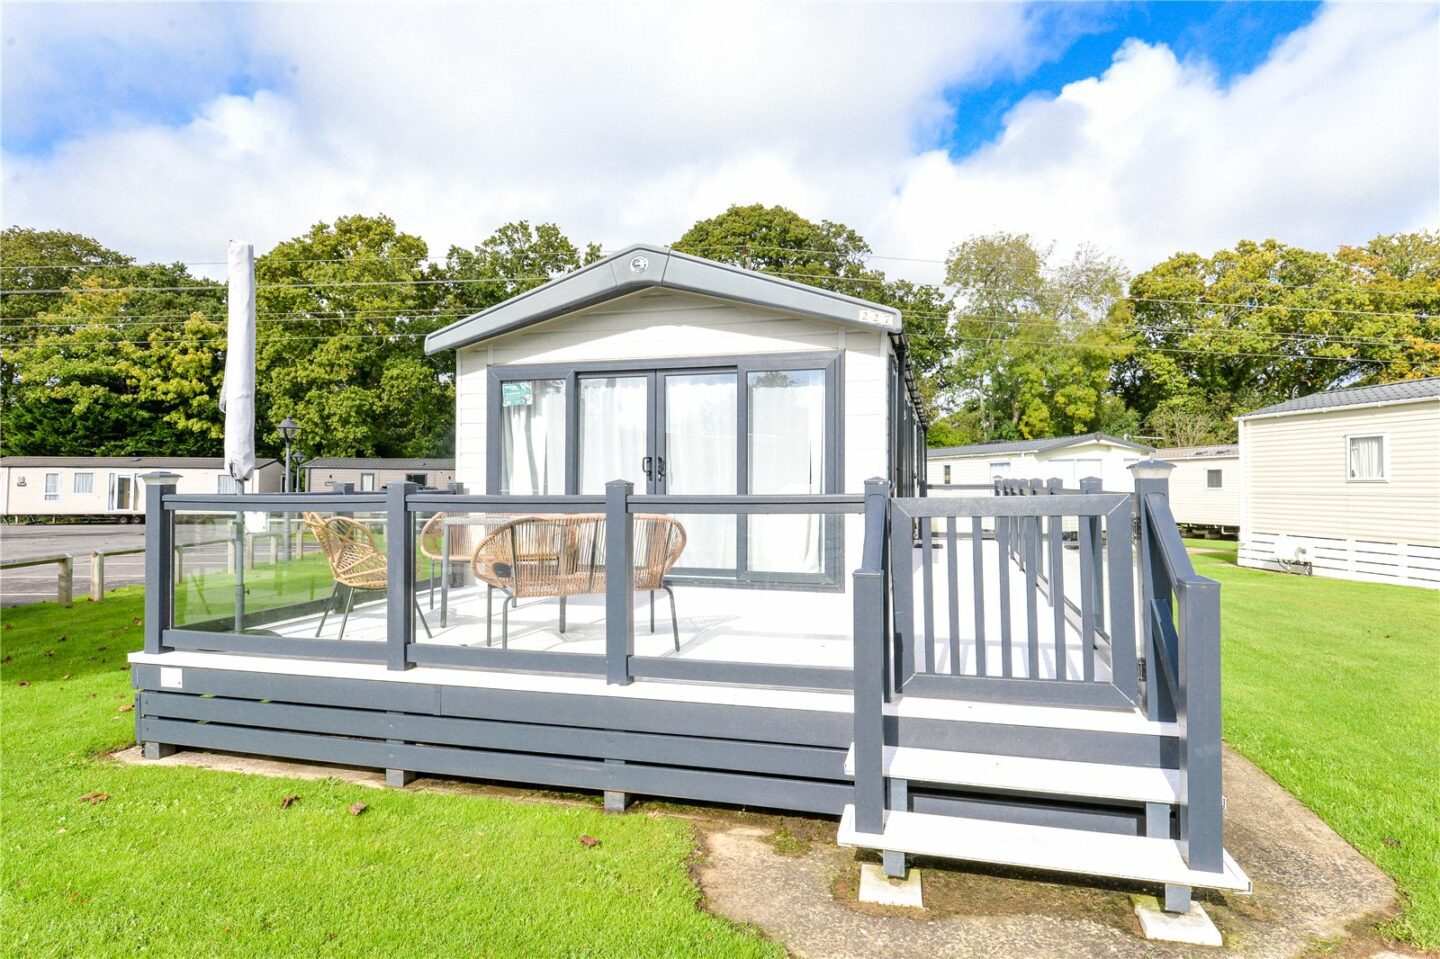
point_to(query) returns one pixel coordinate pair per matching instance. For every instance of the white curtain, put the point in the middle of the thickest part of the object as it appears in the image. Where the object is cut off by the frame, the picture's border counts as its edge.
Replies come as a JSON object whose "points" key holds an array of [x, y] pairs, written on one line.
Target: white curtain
{"points": [[614, 416], [1367, 457], [787, 455], [532, 441], [700, 454]]}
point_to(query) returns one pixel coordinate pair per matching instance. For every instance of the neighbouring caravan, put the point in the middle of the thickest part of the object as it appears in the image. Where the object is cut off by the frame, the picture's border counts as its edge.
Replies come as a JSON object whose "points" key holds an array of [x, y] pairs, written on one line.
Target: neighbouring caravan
{"points": [[1345, 484], [368, 474], [1068, 458], [1205, 485], [110, 486]]}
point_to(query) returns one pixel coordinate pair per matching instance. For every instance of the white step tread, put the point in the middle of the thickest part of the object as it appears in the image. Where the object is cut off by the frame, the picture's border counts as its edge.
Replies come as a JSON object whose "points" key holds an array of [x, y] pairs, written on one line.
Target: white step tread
{"points": [[1048, 848], [1059, 777]]}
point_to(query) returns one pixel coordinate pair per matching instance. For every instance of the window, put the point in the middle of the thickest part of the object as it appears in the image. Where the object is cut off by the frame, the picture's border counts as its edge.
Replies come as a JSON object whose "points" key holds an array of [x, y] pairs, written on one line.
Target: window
{"points": [[1000, 470], [225, 483], [532, 437], [84, 483], [1214, 479], [367, 482], [1368, 459], [52, 486], [421, 480], [947, 474]]}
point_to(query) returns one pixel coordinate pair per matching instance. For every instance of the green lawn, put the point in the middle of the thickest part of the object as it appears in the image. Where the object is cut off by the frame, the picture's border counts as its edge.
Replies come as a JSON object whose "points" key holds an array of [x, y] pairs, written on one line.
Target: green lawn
{"points": [[1333, 688], [188, 862]]}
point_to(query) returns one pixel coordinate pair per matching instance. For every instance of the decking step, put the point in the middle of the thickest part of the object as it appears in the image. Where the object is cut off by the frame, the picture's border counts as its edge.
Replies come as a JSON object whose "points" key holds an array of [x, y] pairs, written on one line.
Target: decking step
{"points": [[1039, 847], [1056, 777]]}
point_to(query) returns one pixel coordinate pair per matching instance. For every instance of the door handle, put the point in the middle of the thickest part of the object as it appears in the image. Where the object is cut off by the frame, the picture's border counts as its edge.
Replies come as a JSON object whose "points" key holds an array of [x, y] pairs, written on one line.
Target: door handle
{"points": [[645, 467]]}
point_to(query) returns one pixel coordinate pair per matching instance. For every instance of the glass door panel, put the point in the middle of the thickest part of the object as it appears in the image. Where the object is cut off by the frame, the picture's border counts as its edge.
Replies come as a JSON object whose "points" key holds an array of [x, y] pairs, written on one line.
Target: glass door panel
{"points": [[614, 432], [699, 457], [786, 455], [532, 438]]}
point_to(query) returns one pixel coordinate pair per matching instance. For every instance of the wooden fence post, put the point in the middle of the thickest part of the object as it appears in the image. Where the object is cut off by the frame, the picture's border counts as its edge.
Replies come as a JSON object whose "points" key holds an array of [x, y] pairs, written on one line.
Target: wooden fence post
{"points": [[97, 575]]}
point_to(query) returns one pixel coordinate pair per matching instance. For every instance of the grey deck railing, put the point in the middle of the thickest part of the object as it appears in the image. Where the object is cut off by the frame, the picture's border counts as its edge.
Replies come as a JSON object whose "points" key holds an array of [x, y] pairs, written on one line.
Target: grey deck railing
{"points": [[401, 508]]}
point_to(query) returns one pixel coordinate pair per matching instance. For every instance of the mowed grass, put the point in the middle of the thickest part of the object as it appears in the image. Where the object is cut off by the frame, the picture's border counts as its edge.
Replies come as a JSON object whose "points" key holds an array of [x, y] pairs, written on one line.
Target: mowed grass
{"points": [[1333, 688], [188, 862]]}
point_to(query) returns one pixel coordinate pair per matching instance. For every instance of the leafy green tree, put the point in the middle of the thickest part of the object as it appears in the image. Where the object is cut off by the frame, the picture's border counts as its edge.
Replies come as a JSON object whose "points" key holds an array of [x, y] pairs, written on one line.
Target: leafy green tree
{"points": [[513, 259], [1034, 340], [831, 256]]}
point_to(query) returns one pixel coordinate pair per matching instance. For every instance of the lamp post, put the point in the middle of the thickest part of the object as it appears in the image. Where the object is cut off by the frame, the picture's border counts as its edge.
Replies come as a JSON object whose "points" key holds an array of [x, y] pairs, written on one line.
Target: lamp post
{"points": [[289, 429]]}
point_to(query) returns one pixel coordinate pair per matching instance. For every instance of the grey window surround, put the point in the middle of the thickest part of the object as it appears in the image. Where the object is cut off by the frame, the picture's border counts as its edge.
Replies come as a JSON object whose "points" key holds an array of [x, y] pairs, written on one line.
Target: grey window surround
{"points": [[1214, 479], [830, 361]]}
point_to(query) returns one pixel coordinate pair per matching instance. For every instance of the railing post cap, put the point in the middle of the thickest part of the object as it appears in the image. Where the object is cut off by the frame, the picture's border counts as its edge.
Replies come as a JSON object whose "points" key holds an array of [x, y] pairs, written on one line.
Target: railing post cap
{"points": [[160, 478], [1151, 469], [616, 483]]}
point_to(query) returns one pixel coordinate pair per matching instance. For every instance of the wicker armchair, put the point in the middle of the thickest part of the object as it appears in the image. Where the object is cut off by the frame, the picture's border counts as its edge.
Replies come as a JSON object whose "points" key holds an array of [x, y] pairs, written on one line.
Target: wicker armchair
{"points": [[431, 545], [564, 555], [356, 562]]}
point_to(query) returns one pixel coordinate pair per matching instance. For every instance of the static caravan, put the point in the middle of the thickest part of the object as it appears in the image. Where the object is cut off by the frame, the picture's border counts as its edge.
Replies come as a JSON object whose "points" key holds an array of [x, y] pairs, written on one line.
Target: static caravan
{"points": [[1070, 458], [110, 486], [1345, 484], [741, 458], [1205, 485], [368, 474]]}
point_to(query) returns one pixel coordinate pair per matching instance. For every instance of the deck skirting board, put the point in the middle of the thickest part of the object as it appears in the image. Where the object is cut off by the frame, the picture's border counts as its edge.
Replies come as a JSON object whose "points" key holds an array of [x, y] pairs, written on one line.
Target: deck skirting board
{"points": [[1092, 817], [1036, 742], [780, 759], [570, 773]]}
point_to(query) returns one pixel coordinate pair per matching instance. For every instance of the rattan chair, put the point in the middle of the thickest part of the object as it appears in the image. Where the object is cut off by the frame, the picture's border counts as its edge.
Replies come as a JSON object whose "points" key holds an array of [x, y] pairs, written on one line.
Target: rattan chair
{"points": [[432, 545], [356, 562], [560, 556]]}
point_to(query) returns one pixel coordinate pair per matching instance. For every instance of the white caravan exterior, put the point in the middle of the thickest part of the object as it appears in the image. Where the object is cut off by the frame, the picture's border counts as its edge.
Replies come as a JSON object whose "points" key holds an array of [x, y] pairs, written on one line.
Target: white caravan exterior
{"points": [[1345, 484], [45, 486], [1205, 485], [1068, 458]]}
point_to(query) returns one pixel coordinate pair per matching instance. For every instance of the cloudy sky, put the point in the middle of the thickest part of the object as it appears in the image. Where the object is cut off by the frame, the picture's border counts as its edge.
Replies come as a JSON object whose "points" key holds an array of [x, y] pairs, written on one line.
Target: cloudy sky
{"points": [[165, 130]]}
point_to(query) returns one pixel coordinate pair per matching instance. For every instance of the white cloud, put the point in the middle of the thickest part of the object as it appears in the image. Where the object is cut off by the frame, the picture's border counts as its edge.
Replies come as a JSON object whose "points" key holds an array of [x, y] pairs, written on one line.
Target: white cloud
{"points": [[1333, 140], [627, 123]]}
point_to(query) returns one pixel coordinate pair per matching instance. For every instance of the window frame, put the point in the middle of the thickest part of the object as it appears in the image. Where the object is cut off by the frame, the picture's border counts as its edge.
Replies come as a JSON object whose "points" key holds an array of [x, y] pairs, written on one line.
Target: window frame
{"points": [[75, 484], [945, 472], [226, 485], [362, 487], [1218, 473], [51, 495], [831, 362], [1384, 438]]}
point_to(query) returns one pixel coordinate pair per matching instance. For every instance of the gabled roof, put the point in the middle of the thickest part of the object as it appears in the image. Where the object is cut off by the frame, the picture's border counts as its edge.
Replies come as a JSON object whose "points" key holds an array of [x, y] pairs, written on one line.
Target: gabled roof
{"points": [[642, 267], [380, 463], [125, 462], [1401, 392], [1198, 452], [1046, 445]]}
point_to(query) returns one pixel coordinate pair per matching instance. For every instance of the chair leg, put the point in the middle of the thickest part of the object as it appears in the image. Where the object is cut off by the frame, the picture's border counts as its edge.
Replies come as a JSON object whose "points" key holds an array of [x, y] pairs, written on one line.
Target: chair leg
{"points": [[349, 605], [674, 619], [562, 615], [505, 622], [421, 614], [652, 611], [489, 612], [329, 605], [432, 584]]}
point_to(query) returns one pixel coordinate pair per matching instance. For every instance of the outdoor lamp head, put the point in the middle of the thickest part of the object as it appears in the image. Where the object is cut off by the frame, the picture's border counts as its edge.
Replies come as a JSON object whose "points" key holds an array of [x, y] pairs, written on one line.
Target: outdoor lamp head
{"points": [[289, 428]]}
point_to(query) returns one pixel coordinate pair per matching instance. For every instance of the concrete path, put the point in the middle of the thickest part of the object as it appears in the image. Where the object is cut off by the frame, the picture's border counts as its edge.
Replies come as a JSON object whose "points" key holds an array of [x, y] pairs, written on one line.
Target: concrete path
{"points": [[1310, 887]]}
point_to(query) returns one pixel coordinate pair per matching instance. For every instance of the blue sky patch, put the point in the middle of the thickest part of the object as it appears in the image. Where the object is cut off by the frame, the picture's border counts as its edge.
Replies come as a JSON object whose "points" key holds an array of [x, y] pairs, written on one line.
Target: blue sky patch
{"points": [[1232, 37]]}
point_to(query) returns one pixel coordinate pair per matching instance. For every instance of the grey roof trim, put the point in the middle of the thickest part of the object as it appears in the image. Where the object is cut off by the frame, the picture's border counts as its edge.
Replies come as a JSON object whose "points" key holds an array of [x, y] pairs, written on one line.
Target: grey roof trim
{"points": [[381, 463], [1405, 391], [664, 268], [141, 462], [1032, 446]]}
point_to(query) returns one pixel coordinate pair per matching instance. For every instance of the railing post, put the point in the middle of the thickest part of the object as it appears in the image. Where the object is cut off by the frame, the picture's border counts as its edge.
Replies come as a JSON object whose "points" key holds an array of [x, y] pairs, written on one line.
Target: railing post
{"points": [[159, 559], [1151, 477], [97, 575], [1092, 484], [619, 583], [871, 673], [400, 575], [1201, 814]]}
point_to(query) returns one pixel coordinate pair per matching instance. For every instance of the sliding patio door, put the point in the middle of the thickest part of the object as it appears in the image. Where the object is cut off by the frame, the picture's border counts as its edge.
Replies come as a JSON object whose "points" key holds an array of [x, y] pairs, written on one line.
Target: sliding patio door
{"points": [[748, 425]]}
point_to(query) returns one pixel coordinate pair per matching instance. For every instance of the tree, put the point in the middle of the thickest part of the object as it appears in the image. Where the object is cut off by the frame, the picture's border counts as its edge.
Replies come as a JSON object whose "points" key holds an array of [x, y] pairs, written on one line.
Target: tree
{"points": [[1265, 322], [831, 256], [1034, 341], [513, 259]]}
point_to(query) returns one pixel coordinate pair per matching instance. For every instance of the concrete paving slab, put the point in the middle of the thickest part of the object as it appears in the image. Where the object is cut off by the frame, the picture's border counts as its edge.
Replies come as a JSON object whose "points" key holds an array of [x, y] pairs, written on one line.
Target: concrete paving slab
{"points": [[1193, 927], [879, 889]]}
